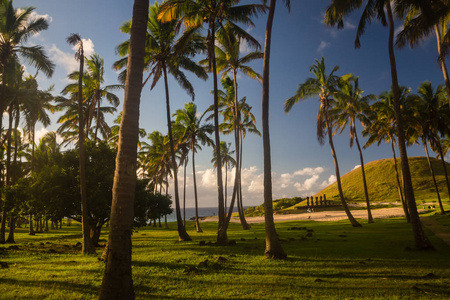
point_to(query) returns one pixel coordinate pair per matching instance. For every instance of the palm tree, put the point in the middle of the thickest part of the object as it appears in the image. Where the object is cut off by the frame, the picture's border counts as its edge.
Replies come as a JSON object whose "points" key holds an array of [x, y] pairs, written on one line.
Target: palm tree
{"points": [[273, 245], [88, 247], [382, 127], [431, 119], [376, 9], [227, 161], [325, 86], [15, 29], [228, 60], [195, 13], [188, 124], [117, 281], [351, 105]]}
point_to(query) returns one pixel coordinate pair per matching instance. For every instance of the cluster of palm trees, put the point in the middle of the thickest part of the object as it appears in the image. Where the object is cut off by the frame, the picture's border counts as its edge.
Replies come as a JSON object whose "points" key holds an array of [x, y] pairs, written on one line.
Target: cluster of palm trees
{"points": [[426, 117]]}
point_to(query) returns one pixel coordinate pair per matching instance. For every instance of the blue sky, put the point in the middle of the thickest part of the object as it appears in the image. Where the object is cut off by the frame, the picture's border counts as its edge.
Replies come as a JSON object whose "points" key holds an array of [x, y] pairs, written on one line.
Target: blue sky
{"points": [[300, 165]]}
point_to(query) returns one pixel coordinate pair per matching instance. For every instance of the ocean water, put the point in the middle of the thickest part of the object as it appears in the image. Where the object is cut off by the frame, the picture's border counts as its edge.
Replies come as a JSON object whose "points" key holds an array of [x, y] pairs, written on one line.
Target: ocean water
{"points": [[190, 213]]}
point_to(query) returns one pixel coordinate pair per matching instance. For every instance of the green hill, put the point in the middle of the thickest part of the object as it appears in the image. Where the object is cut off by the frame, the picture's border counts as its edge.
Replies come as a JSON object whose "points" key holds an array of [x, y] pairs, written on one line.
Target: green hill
{"points": [[382, 184]]}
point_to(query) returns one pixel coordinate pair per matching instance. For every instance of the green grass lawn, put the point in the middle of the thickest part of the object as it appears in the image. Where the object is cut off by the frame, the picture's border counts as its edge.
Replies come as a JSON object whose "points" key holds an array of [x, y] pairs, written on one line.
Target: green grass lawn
{"points": [[326, 260]]}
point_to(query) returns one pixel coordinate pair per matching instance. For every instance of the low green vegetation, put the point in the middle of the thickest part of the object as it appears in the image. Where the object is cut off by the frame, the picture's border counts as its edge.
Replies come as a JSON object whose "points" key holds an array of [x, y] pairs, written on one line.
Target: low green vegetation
{"points": [[278, 204], [326, 260], [382, 185]]}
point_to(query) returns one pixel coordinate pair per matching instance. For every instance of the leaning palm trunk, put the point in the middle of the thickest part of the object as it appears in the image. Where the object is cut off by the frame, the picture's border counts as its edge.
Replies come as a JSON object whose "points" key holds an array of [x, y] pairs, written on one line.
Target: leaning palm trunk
{"points": [[442, 63], [336, 167], [237, 114], [184, 193], [197, 223], [366, 192], [425, 147], [182, 234], [117, 280], [399, 186], [273, 245], [240, 198], [421, 240]]}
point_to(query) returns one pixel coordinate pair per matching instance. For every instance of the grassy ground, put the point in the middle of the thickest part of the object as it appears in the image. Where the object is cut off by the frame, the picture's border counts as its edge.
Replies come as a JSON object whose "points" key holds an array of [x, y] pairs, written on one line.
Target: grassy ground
{"points": [[327, 260]]}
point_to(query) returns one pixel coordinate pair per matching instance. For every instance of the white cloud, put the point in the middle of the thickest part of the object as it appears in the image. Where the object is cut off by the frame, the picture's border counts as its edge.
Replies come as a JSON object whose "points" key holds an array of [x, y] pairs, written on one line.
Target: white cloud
{"points": [[332, 179], [398, 30], [35, 15], [208, 178], [67, 60], [348, 25], [244, 47], [309, 171], [307, 184], [322, 46], [356, 167]]}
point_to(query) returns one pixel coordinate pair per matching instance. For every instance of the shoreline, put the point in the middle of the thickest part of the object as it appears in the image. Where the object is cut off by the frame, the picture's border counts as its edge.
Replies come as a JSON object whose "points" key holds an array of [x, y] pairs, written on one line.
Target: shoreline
{"points": [[381, 213]]}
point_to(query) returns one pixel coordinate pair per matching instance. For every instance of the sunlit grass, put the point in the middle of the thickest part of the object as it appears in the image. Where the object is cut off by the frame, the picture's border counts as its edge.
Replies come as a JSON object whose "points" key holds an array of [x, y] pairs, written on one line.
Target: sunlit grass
{"points": [[326, 260]]}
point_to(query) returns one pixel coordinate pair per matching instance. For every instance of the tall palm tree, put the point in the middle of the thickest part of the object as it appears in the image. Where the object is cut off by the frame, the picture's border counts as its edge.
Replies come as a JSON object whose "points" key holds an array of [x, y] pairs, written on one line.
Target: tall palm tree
{"points": [[229, 61], [352, 105], [273, 245], [188, 124], [88, 247], [214, 13], [431, 119], [15, 29], [227, 161], [325, 86], [382, 127], [382, 10], [118, 281]]}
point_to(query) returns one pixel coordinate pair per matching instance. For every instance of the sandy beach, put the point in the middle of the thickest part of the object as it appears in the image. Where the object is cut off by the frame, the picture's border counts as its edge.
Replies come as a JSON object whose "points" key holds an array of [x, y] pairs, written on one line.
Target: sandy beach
{"points": [[323, 216]]}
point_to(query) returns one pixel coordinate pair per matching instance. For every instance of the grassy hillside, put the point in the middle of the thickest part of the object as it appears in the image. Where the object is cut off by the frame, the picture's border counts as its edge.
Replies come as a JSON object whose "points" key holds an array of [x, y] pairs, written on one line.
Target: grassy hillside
{"points": [[382, 184]]}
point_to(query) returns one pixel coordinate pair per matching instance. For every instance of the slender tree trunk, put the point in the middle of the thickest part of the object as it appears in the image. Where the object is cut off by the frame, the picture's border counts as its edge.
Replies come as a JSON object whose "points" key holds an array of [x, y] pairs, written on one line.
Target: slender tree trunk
{"points": [[12, 226], [366, 191], [30, 222], [425, 147], [399, 186], [182, 234], [273, 244], [420, 239], [16, 145], [245, 225], [444, 166], [88, 247], [46, 224], [222, 238], [117, 280], [442, 61], [8, 173], [336, 167], [197, 223], [226, 188], [184, 193], [98, 116], [237, 123]]}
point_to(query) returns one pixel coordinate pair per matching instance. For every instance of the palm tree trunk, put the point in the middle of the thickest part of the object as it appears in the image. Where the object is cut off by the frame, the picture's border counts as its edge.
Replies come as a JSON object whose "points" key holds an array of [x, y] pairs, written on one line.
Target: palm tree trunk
{"points": [[273, 244], [88, 247], [336, 167], [444, 165], [420, 239], [240, 198], [117, 280], [16, 145], [442, 61], [182, 234], [366, 192], [197, 224], [399, 186], [237, 123], [184, 194], [425, 147], [8, 174], [226, 188], [98, 117], [222, 238]]}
